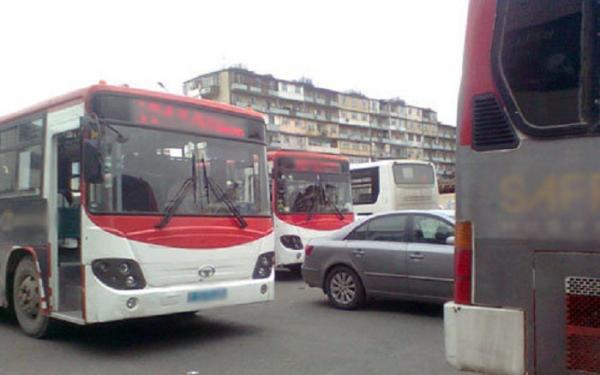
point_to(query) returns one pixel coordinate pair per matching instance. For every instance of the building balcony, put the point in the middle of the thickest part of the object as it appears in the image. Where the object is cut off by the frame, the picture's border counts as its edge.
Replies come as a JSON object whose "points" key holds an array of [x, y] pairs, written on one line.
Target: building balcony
{"points": [[239, 86], [320, 101], [272, 127], [273, 93], [255, 89], [326, 149], [333, 104], [309, 99], [209, 91], [259, 108], [279, 111], [305, 115], [321, 117]]}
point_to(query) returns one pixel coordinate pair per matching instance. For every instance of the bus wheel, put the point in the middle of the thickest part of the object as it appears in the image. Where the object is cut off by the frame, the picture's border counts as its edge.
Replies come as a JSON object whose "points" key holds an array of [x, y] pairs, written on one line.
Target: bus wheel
{"points": [[344, 289], [27, 300]]}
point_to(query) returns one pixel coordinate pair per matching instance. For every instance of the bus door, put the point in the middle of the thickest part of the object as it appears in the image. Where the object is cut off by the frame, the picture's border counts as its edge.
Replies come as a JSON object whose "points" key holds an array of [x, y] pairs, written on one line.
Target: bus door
{"points": [[68, 206]]}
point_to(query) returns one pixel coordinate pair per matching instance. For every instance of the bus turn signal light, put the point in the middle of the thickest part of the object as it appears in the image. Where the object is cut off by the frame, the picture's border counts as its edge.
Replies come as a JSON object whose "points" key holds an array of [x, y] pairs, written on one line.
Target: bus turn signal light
{"points": [[463, 257]]}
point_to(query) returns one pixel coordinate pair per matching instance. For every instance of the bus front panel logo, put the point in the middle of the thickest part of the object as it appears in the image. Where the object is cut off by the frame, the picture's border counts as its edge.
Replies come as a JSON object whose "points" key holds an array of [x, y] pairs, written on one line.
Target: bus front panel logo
{"points": [[206, 272]]}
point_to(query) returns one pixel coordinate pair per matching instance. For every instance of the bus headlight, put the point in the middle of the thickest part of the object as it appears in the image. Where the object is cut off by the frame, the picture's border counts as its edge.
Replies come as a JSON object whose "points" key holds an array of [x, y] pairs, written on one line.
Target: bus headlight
{"points": [[291, 242], [264, 265], [123, 274]]}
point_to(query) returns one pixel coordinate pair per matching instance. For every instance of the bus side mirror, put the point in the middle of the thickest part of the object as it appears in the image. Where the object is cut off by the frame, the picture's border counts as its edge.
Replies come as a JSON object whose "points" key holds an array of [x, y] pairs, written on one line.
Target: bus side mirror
{"points": [[92, 165], [450, 240]]}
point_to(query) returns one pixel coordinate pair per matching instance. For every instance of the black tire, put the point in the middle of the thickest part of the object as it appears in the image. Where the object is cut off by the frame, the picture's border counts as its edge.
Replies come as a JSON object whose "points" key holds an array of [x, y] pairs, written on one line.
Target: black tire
{"points": [[27, 300], [345, 289]]}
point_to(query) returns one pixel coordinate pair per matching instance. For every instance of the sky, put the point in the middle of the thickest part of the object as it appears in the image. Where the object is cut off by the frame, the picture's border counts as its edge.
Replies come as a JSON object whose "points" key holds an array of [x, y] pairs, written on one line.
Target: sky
{"points": [[410, 49]]}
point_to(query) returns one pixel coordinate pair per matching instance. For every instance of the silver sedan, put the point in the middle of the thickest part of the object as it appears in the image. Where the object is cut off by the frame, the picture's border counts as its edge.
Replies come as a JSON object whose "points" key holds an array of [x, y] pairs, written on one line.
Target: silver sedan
{"points": [[403, 254]]}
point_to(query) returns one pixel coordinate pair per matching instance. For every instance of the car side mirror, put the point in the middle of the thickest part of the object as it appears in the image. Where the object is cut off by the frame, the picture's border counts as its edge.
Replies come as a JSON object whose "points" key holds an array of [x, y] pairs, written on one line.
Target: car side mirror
{"points": [[450, 240], [92, 166]]}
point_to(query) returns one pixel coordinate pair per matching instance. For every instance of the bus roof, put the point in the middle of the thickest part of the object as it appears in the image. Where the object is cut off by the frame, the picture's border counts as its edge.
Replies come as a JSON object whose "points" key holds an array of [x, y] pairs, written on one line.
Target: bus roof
{"points": [[85, 93], [380, 163], [305, 154]]}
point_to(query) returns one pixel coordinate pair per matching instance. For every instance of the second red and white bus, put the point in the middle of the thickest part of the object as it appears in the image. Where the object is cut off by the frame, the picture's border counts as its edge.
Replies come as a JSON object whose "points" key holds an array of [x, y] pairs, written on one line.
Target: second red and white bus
{"points": [[119, 203], [311, 196]]}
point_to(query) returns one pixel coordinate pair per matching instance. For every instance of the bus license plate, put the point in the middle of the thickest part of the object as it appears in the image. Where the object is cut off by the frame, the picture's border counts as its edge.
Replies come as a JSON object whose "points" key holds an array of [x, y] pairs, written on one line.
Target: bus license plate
{"points": [[207, 295]]}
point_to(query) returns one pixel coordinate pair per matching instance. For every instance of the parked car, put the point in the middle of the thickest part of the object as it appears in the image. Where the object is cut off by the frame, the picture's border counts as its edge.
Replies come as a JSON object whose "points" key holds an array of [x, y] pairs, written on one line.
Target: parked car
{"points": [[402, 254]]}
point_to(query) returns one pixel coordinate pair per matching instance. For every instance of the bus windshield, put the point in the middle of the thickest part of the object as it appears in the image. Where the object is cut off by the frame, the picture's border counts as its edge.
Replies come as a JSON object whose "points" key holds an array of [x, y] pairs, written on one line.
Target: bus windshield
{"points": [[309, 192], [144, 169], [413, 174]]}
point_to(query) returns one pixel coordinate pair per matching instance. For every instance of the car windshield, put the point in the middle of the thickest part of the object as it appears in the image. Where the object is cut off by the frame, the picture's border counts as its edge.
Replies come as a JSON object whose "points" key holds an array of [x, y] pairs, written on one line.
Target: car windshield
{"points": [[148, 171], [299, 192]]}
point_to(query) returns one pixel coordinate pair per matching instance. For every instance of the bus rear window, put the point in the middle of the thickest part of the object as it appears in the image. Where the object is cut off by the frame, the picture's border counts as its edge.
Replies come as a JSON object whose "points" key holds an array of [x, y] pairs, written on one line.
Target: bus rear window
{"points": [[413, 174], [542, 44]]}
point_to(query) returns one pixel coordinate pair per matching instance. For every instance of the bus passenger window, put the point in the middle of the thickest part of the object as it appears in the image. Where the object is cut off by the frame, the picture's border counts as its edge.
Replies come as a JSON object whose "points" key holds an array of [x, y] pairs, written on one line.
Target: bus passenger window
{"points": [[8, 162], [365, 185], [541, 60]]}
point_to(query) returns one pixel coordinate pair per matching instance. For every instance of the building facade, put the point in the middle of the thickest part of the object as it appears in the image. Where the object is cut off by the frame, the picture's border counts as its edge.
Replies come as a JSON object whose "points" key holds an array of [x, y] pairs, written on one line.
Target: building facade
{"points": [[300, 115]]}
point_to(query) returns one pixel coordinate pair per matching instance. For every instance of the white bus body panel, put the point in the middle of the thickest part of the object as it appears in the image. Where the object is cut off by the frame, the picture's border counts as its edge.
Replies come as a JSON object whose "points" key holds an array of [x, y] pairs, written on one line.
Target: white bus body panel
{"points": [[485, 340], [170, 273], [392, 197]]}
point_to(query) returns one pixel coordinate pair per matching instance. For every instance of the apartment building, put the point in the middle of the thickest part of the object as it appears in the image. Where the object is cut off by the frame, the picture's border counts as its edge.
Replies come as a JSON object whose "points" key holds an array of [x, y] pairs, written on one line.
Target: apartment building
{"points": [[300, 115]]}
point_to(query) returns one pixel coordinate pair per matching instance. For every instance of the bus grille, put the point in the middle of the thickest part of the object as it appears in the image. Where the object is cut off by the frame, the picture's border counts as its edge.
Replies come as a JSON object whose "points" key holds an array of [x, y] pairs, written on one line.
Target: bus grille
{"points": [[583, 323]]}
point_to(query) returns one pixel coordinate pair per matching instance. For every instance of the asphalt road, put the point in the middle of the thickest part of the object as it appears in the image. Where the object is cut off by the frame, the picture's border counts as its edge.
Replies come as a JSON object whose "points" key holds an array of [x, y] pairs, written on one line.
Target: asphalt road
{"points": [[299, 333]]}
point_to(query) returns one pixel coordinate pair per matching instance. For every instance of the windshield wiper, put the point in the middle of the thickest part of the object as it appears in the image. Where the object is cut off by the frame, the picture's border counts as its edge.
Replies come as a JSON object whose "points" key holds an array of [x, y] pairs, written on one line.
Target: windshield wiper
{"points": [[314, 201], [220, 195], [176, 202], [328, 201]]}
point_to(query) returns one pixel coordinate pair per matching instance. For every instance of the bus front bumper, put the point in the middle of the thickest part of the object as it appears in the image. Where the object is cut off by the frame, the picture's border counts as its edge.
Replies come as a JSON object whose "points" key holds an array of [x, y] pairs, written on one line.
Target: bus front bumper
{"points": [[483, 339], [104, 304]]}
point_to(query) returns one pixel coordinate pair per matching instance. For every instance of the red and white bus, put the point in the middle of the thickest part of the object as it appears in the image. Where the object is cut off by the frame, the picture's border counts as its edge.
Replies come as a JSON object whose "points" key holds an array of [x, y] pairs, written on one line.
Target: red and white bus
{"points": [[311, 196], [527, 260], [119, 203]]}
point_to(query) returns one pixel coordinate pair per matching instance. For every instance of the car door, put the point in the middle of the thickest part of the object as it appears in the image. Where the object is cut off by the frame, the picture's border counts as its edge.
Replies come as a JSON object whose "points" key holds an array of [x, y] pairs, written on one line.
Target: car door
{"points": [[378, 248], [431, 257]]}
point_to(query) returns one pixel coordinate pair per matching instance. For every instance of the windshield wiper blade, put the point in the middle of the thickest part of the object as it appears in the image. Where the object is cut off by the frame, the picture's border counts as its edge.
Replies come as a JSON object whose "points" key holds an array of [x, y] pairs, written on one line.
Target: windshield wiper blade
{"points": [[328, 201], [313, 200], [176, 202], [220, 194]]}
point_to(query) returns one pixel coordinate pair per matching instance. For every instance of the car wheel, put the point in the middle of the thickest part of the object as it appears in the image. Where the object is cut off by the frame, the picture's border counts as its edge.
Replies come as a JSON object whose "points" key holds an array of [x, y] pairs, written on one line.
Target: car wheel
{"points": [[345, 289], [27, 300]]}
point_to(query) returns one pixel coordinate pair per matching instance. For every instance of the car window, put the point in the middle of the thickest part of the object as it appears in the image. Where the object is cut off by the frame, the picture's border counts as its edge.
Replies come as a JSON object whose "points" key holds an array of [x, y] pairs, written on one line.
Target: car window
{"points": [[388, 228], [428, 229], [359, 233]]}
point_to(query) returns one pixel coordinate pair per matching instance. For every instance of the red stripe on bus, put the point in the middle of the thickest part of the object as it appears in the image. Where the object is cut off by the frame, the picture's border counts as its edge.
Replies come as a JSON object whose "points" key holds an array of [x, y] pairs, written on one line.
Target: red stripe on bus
{"points": [[186, 232], [477, 66], [316, 221]]}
